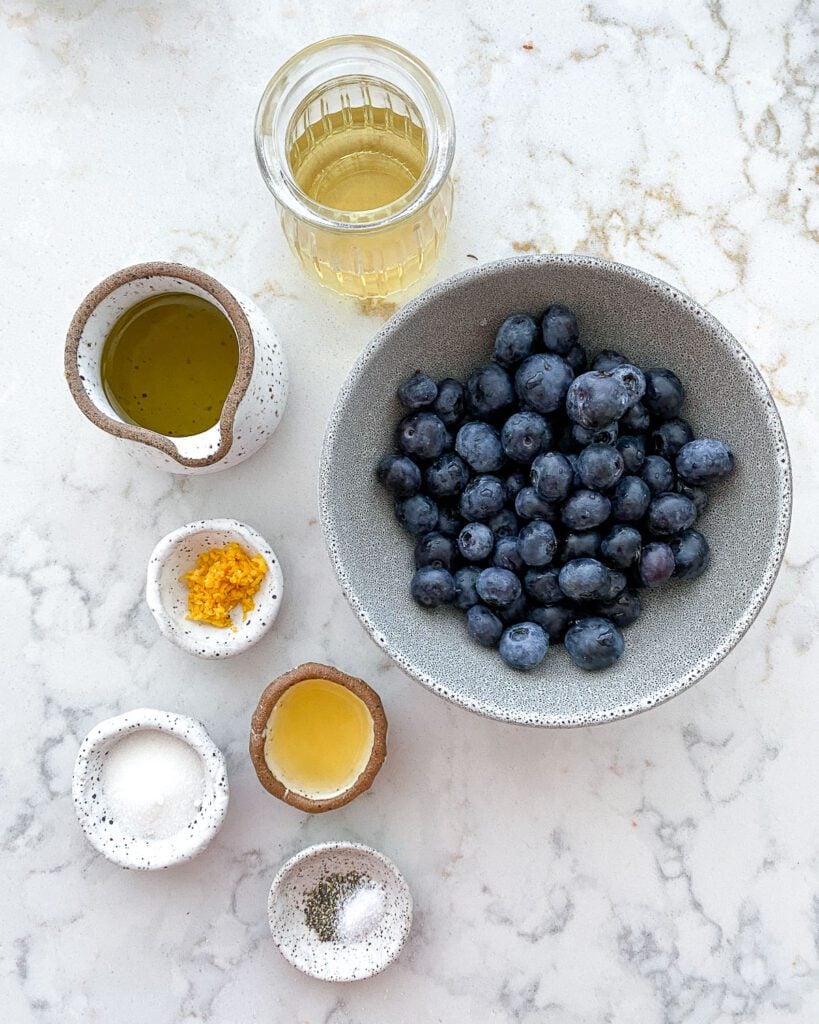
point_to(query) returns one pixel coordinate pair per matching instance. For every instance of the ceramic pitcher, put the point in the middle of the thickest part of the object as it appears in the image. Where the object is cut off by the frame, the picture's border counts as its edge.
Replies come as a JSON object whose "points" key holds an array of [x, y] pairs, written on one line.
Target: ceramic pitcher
{"points": [[255, 402]]}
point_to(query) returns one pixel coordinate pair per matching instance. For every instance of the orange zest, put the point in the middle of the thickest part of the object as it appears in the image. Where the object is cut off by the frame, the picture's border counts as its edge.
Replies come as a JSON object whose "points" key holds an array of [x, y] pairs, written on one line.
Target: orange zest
{"points": [[222, 579]]}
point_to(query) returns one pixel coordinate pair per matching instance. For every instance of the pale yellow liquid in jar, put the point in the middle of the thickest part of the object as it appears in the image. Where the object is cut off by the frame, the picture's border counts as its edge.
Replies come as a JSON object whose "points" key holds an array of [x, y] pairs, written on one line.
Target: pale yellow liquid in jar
{"points": [[359, 159], [319, 738]]}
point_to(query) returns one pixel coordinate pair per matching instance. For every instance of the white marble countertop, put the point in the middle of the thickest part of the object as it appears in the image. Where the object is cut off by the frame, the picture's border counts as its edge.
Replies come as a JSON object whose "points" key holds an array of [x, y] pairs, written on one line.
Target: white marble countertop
{"points": [[661, 870]]}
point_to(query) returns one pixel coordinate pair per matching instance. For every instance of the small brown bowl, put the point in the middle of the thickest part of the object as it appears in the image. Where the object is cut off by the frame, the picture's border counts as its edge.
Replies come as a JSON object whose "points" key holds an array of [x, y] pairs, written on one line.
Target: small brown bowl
{"points": [[258, 732]]}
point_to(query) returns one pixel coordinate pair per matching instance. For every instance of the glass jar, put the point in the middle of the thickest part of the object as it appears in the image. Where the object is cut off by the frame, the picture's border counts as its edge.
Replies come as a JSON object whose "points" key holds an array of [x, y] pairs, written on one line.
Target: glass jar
{"points": [[355, 139]]}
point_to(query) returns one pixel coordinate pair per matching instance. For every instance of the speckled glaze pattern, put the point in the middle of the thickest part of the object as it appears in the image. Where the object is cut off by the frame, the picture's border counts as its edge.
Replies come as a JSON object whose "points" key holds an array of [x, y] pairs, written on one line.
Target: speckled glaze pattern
{"points": [[167, 594], [105, 835], [336, 960], [686, 629], [254, 405]]}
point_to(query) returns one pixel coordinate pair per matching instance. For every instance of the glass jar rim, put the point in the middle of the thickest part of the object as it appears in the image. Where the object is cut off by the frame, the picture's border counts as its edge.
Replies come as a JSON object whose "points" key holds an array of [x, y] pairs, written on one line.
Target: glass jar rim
{"points": [[291, 80]]}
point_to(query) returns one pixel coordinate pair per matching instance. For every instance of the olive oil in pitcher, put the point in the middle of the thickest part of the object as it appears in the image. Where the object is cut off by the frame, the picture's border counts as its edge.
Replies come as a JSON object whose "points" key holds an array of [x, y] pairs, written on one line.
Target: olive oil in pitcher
{"points": [[169, 363]]}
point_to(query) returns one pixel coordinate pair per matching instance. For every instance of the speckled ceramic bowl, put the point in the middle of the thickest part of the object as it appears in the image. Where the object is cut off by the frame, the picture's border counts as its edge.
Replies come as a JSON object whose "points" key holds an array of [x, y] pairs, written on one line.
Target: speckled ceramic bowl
{"points": [[107, 836], [335, 960], [686, 629], [167, 594]]}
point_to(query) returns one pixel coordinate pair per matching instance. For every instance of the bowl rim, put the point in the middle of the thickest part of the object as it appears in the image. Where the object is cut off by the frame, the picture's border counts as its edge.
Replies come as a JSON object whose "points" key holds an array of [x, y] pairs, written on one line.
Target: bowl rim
{"points": [[364, 852], [783, 516], [237, 642], [189, 842]]}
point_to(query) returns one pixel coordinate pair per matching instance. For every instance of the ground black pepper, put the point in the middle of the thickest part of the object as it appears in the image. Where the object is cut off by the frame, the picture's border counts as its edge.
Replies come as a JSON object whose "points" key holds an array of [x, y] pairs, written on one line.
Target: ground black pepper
{"points": [[322, 904]]}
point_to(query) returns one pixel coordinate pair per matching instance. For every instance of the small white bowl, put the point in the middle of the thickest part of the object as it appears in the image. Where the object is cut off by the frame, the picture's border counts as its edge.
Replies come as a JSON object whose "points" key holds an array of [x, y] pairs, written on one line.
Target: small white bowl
{"points": [[336, 960], [167, 594], [108, 837]]}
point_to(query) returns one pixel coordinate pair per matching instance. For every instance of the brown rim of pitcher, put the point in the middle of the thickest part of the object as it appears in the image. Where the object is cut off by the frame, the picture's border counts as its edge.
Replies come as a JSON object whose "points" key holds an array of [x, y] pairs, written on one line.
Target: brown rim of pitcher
{"points": [[264, 709], [130, 431]]}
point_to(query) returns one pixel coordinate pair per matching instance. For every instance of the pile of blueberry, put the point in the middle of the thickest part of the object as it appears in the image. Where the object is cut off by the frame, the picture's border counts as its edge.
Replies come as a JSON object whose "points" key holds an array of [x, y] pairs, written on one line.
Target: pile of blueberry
{"points": [[544, 494]]}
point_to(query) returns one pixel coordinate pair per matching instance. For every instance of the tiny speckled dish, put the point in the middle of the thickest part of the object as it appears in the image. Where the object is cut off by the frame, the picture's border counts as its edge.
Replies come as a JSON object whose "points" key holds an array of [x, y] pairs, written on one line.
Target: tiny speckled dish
{"points": [[336, 960], [686, 629], [108, 837], [167, 594]]}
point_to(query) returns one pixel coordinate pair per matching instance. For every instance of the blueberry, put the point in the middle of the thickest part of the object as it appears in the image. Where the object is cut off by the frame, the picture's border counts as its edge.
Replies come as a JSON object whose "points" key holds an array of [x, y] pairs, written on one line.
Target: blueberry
{"points": [[482, 497], [525, 434], [434, 549], [480, 445], [553, 619], [475, 542], [584, 579], [670, 513], [523, 646], [580, 545], [542, 381], [559, 326], [658, 474], [594, 643], [418, 391], [698, 495], [633, 380], [530, 505], [585, 509], [577, 359], [517, 611], [656, 564], [552, 476], [691, 555], [422, 434], [515, 339], [465, 593], [498, 586], [449, 405], [615, 586], [449, 521], [576, 481], [635, 420], [704, 460], [670, 436], [537, 543], [507, 554], [489, 391], [447, 476], [621, 548], [484, 626], [595, 435], [504, 523], [399, 475], [623, 610], [631, 499], [608, 359], [417, 514], [596, 398], [633, 450], [600, 466], [542, 585], [664, 393], [514, 484], [432, 586]]}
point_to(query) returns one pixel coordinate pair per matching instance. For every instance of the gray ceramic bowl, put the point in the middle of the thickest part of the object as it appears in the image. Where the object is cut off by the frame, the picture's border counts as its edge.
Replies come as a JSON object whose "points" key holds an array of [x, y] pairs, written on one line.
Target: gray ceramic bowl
{"points": [[686, 629]]}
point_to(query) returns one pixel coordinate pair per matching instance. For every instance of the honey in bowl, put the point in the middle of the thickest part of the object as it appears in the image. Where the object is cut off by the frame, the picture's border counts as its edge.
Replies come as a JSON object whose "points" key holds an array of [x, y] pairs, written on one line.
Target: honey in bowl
{"points": [[319, 738], [169, 363]]}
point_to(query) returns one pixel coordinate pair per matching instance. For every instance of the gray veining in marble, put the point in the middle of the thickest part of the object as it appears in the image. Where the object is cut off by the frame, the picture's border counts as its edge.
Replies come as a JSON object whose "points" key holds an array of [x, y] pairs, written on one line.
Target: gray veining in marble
{"points": [[662, 870]]}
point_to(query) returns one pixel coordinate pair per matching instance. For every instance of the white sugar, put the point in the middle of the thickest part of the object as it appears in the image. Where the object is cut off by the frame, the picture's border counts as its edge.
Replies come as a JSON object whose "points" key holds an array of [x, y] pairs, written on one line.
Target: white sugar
{"points": [[360, 913], [153, 784]]}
